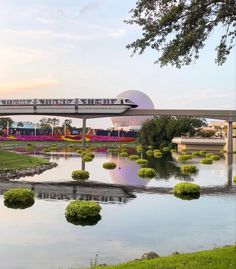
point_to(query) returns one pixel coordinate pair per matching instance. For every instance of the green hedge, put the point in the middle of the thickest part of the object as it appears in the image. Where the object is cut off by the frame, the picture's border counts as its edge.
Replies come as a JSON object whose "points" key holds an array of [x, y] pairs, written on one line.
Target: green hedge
{"points": [[186, 189], [158, 154], [80, 175], [142, 161], [206, 161], [124, 154], [134, 157], [215, 157], [147, 172], [82, 209], [184, 158], [149, 152], [19, 198], [109, 165], [188, 168], [166, 149]]}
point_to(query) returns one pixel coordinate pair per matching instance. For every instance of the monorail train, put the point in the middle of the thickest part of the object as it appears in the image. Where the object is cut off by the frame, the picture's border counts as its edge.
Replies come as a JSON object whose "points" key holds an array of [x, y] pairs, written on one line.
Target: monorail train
{"points": [[60, 106]]}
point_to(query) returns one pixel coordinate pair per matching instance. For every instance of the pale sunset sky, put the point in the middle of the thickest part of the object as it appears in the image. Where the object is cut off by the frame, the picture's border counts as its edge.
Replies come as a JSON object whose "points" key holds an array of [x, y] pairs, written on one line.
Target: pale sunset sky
{"points": [[76, 48]]}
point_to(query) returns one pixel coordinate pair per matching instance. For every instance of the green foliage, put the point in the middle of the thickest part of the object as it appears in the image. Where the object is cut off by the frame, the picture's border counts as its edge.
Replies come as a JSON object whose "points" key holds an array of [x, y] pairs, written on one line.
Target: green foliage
{"points": [[19, 198], [149, 152], [166, 149], [215, 157], [206, 161], [195, 154], [109, 165], [139, 149], [186, 188], [160, 131], [202, 153], [134, 157], [13, 161], [234, 179], [150, 147], [82, 210], [80, 175], [178, 30], [124, 154], [188, 168], [142, 161], [146, 173], [218, 258], [158, 154], [4, 121], [184, 158], [87, 158]]}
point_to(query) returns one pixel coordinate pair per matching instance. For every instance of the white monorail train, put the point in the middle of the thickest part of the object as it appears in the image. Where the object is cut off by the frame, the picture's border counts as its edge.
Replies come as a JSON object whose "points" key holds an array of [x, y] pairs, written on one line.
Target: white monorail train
{"points": [[61, 106]]}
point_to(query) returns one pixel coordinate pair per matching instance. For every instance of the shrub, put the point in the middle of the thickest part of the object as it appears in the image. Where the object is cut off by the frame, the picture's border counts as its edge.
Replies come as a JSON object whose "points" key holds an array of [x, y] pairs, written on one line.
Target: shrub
{"points": [[149, 152], [195, 154], [134, 157], [79, 151], [184, 158], [82, 209], [156, 150], [19, 198], [188, 168], [215, 157], [166, 149], [109, 165], [173, 150], [234, 179], [87, 158], [186, 189], [142, 161], [124, 154], [139, 149], [157, 154], [80, 175], [202, 153], [146, 172], [109, 150], [90, 154], [208, 155], [206, 161], [150, 147]]}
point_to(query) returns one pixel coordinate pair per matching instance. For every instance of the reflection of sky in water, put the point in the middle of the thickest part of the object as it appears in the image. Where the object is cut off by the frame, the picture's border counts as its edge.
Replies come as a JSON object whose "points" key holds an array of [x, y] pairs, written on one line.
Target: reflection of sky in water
{"points": [[40, 237], [167, 171]]}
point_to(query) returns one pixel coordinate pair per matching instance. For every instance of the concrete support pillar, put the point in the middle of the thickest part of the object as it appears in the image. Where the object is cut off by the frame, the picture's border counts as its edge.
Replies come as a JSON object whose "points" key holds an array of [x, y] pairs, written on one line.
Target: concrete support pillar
{"points": [[230, 137], [84, 134]]}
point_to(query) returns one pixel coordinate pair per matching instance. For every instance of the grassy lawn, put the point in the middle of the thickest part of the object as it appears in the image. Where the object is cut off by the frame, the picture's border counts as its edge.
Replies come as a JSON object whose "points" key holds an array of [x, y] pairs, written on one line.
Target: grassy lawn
{"points": [[13, 161], [220, 258]]}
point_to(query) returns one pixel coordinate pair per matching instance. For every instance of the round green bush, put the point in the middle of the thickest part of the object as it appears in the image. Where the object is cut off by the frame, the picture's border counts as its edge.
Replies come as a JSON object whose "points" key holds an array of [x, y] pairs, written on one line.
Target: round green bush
{"points": [[124, 154], [186, 188], [149, 152], [87, 158], [195, 154], [109, 150], [156, 150], [150, 147], [166, 149], [215, 157], [134, 157], [188, 168], [80, 175], [234, 179], [19, 198], [158, 154], [202, 153], [79, 151], [184, 158], [147, 172], [206, 161], [90, 154], [109, 165], [208, 155], [82, 209], [142, 161], [139, 149]]}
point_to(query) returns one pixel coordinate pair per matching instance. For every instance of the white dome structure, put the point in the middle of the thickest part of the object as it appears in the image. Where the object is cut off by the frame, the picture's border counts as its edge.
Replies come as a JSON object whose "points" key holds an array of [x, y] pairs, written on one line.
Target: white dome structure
{"points": [[133, 122]]}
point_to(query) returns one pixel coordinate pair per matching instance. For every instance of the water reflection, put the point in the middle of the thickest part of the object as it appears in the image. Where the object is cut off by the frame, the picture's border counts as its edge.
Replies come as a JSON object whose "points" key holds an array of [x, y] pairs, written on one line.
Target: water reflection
{"points": [[84, 221], [18, 204], [188, 196]]}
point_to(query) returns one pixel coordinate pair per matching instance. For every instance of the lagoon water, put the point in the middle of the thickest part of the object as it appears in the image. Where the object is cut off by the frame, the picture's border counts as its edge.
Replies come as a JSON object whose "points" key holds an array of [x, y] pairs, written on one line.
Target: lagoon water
{"points": [[41, 237]]}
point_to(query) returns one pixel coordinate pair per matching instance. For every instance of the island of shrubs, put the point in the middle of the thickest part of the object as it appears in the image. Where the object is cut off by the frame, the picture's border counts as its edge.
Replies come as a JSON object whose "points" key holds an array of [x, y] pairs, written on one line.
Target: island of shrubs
{"points": [[134, 157], [80, 174], [146, 172], [124, 154], [185, 188], [206, 161], [188, 168], [109, 165], [185, 157], [234, 179], [142, 161], [83, 212], [19, 198]]}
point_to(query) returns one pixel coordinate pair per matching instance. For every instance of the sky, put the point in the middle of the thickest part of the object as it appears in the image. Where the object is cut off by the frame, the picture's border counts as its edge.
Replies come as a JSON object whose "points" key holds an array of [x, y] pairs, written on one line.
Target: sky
{"points": [[77, 48]]}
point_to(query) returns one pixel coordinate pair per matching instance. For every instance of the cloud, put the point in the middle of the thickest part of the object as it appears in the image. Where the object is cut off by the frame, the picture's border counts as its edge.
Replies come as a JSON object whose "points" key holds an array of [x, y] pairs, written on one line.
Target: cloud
{"points": [[27, 86], [45, 21], [89, 7]]}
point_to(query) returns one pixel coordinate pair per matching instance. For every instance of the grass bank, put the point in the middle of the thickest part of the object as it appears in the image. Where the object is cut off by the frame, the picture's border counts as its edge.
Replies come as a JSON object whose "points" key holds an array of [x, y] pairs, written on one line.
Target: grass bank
{"points": [[14, 161], [219, 258]]}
